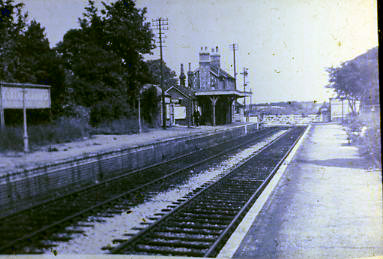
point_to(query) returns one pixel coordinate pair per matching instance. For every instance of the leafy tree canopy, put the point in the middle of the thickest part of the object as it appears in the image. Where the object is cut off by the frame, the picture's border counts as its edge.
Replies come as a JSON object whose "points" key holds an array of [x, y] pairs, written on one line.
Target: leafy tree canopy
{"points": [[154, 67], [357, 79], [103, 58], [12, 24], [25, 55]]}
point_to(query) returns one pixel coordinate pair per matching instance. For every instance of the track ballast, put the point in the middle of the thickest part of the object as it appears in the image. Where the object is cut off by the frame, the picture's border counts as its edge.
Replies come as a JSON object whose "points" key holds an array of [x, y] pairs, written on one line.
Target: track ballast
{"points": [[201, 225], [25, 231]]}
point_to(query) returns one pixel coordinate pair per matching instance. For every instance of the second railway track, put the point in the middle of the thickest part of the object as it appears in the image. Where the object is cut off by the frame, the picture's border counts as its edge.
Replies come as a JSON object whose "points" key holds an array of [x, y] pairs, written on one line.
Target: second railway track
{"points": [[27, 228]]}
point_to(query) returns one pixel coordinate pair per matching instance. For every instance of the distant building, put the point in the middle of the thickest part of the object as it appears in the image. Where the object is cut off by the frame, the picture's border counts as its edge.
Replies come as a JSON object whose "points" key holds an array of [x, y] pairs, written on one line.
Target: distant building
{"points": [[180, 105], [209, 89]]}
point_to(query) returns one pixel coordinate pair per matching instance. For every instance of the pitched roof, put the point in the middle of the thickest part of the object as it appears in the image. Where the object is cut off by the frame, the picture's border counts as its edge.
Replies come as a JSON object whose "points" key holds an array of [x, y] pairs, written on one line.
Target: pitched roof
{"points": [[217, 71], [186, 92], [220, 72]]}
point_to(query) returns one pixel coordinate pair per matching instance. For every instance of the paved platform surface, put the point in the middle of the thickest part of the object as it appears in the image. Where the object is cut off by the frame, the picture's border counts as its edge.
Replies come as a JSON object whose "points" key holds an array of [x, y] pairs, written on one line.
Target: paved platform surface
{"points": [[326, 205], [18, 160]]}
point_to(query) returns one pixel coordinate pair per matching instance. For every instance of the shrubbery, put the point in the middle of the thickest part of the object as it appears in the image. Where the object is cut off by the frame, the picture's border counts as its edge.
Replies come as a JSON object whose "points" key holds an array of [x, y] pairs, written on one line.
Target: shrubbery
{"points": [[60, 131], [120, 126], [11, 138], [366, 136], [63, 130], [106, 111]]}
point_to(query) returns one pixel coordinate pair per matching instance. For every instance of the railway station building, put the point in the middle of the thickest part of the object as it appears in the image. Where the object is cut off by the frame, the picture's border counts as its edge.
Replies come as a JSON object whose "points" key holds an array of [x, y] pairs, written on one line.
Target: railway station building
{"points": [[209, 89], [214, 89]]}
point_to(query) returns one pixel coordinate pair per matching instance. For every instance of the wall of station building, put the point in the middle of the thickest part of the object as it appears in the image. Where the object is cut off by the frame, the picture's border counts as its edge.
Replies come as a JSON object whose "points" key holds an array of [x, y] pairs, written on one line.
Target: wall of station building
{"points": [[23, 189]]}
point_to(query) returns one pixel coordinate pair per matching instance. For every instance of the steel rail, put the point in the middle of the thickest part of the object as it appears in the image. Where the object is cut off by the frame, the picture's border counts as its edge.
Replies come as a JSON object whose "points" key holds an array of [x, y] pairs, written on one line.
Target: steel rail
{"points": [[214, 249], [133, 240], [119, 196]]}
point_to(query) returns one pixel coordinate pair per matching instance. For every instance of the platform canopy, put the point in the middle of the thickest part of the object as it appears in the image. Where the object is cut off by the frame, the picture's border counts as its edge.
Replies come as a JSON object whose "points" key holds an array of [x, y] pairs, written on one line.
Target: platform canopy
{"points": [[234, 93]]}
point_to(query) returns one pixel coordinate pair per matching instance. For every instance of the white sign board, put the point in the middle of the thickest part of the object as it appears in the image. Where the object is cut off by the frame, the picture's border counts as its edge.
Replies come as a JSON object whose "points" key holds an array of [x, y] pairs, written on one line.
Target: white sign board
{"points": [[180, 112], [23, 96], [35, 98]]}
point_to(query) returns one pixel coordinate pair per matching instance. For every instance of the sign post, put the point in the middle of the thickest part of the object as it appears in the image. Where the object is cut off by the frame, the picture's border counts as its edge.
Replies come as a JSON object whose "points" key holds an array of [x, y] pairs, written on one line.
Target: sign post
{"points": [[2, 120], [26, 144], [23, 96]]}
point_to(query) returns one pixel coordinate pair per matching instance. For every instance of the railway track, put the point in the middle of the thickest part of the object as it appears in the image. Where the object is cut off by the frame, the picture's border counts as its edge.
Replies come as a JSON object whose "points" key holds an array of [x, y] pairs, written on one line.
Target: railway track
{"points": [[200, 226], [24, 231]]}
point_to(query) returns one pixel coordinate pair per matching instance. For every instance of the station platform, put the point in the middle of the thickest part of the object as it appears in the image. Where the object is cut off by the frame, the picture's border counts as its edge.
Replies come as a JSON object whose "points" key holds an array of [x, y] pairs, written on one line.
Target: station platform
{"points": [[327, 204], [11, 161]]}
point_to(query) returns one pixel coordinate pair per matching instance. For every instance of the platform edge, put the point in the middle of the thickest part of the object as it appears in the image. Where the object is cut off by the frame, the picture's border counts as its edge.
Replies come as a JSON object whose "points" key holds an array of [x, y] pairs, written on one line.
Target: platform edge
{"points": [[236, 238]]}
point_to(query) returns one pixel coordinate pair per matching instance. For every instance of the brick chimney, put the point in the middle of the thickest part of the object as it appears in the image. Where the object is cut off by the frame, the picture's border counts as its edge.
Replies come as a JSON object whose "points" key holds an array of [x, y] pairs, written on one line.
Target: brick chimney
{"points": [[190, 77], [204, 68], [182, 76], [215, 58], [204, 56]]}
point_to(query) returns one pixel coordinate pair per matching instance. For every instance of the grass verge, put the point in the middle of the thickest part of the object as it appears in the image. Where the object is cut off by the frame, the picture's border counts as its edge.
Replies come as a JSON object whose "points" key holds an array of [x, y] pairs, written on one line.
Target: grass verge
{"points": [[61, 131], [366, 135]]}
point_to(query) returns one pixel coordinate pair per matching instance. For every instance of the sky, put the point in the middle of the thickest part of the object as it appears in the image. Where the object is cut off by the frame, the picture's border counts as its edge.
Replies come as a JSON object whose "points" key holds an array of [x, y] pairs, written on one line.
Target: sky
{"points": [[285, 44]]}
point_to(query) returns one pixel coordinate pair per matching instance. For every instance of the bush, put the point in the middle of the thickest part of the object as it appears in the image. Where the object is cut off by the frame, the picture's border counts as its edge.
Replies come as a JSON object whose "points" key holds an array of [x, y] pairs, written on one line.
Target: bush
{"points": [[369, 144], [108, 111], [150, 106], [119, 126], [60, 131], [366, 136], [64, 129], [11, 138], [77, 111]]}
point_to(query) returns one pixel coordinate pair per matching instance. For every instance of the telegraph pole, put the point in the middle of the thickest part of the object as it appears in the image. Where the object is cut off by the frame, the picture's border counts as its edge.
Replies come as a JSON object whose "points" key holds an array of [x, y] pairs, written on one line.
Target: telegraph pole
{"points": [[234, 46], [162, 25], [245, 73]]}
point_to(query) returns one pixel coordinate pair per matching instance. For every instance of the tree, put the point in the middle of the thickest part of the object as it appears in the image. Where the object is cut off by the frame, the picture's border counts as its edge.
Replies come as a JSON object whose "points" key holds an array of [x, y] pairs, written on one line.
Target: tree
{"points": [[357, 79], [103, 58], [170, 77], [12, 23], [150, 100], [25, 54]]}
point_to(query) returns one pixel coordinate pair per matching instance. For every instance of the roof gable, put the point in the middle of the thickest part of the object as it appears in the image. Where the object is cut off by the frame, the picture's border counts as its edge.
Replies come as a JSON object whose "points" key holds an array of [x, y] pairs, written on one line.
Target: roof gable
{"points": [[179, 92], [217, 72]]}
